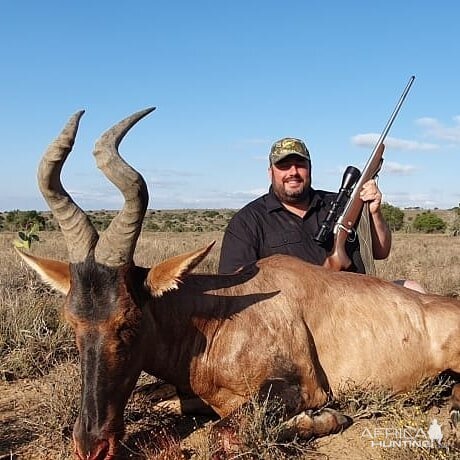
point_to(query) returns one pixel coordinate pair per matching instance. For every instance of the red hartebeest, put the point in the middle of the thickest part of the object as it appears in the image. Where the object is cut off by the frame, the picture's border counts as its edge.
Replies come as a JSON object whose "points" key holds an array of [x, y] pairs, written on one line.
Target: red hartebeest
{"points": [[281, 325]]}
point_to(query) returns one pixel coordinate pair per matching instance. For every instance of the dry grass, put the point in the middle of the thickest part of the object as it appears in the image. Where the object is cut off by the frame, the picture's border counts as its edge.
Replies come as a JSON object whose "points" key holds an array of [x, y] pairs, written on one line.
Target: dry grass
{"points": [[363, 403], [432, 260], [261, 432], [38, 361]]}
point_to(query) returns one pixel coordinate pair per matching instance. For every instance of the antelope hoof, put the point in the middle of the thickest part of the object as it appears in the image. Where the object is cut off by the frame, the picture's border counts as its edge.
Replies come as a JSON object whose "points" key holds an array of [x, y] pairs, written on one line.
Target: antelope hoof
{"points": [[455, 417], [330, 419]]}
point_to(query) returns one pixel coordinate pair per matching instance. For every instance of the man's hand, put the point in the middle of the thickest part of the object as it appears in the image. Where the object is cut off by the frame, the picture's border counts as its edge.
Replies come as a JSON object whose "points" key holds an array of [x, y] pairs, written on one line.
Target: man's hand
{"points": [[371, 193]]}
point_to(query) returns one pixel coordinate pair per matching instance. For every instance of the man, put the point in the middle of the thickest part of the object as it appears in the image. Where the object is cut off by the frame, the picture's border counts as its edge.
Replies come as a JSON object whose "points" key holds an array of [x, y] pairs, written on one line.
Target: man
{"points": [[285, 220]]}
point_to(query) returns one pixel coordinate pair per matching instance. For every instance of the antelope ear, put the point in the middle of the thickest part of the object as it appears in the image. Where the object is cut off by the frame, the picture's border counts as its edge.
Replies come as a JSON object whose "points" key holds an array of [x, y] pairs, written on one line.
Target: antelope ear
{"points": [[167, 275], [53, 272]]}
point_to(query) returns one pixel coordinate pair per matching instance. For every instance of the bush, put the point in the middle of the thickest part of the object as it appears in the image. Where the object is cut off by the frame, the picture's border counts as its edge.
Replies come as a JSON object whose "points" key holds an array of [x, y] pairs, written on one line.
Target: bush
{"points": [[152, 226], [100, 223], [211, 213], [427, 222], [19, 220], [455, 227], [393, 215]]}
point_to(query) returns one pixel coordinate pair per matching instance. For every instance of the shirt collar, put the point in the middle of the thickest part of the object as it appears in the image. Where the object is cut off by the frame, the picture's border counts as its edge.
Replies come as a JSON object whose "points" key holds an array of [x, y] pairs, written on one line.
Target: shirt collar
{"points": [[274, 204]]}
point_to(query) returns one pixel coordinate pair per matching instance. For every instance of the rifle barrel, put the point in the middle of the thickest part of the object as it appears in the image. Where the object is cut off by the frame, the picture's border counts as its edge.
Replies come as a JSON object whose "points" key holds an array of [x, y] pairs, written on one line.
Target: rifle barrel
{"points": [[371, 167], [393, 115]]}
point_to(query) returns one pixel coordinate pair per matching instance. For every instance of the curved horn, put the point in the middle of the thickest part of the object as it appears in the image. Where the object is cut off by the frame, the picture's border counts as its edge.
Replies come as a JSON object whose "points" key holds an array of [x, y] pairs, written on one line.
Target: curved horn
{"points": [[117, 243], [79, 233]]}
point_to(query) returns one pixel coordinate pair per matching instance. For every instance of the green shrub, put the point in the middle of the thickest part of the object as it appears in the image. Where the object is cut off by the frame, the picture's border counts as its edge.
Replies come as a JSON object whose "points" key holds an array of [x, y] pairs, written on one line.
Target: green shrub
{"points": [[211, 213], [152, 226], [393, 215], [18, 220], [427, 222], [455, 226], [27, 236]]}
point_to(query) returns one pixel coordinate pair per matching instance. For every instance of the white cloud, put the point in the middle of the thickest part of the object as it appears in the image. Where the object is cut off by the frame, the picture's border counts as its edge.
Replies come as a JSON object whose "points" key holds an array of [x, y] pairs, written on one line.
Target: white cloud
{"points": [[370, 139], [435, 129], [97, 198], [405, 199], [208, 199], [391, 167]]}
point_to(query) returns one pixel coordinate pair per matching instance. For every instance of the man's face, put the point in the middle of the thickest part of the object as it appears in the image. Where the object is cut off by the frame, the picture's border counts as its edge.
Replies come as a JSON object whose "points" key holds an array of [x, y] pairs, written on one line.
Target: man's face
{"points": [[291, 179]]}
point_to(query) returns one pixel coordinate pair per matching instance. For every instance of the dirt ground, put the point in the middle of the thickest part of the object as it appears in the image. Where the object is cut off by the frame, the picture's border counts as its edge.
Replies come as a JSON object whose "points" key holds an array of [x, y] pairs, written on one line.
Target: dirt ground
{"points": [[153, 416]]}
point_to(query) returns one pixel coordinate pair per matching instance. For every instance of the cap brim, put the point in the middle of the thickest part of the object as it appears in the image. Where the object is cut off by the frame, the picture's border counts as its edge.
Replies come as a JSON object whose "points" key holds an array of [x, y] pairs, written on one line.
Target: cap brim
{"points": [[287, 154]]}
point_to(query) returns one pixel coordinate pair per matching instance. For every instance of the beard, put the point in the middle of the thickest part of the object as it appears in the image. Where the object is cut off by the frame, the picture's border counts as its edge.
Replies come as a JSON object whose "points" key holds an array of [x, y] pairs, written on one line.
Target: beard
{"points": [[291, 197]]}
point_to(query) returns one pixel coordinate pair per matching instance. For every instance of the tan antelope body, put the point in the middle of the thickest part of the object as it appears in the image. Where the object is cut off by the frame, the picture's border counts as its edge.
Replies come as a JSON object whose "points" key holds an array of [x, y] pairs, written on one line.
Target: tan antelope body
{"points": [[281, 326]]}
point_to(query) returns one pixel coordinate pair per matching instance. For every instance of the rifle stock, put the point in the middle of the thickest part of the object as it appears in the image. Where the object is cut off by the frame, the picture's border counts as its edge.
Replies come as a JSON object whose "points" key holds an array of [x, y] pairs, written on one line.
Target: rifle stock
{"points": [[338, 258]]}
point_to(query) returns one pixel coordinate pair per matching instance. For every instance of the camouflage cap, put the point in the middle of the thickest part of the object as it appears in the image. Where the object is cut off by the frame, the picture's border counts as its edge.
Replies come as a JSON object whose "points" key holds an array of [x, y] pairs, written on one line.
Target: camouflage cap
{"points": [[288, 146]]}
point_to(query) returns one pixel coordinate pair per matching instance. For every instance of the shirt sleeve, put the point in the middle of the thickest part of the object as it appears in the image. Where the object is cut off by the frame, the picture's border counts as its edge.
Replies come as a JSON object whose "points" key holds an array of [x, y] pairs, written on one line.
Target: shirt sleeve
{"points": [[239, 246]]}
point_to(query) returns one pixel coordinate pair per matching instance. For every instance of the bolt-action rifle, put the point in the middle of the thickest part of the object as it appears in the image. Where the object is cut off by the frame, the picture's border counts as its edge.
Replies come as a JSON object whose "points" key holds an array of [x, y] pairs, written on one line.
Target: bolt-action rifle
{"points": [[347, 206]]}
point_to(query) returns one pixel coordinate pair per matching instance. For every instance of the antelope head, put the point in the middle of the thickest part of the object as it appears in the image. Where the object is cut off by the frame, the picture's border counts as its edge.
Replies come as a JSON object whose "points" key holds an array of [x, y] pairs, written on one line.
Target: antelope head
{"points": [[108, 298], [103, 297], [101, 303]]}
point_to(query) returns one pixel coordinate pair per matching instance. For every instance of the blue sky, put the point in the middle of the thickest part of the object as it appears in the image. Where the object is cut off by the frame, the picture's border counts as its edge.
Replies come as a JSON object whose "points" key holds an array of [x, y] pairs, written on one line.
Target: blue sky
{"points": [[228, 79]]}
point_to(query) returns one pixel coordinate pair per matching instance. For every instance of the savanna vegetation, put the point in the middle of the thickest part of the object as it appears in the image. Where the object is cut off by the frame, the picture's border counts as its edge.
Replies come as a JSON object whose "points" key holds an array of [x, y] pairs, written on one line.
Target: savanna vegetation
{"points": [[39, 375], [411, 220], [187, 220]]}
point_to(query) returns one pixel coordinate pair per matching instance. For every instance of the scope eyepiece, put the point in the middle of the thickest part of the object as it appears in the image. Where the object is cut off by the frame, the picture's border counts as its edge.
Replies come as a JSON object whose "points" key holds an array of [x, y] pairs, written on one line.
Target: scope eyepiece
{"points": [[322, 234]]}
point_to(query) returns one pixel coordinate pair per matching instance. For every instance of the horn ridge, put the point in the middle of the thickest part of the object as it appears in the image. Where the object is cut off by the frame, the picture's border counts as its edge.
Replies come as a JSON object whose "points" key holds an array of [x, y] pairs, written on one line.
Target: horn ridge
{"points": [[117, 243], [78, 231]]}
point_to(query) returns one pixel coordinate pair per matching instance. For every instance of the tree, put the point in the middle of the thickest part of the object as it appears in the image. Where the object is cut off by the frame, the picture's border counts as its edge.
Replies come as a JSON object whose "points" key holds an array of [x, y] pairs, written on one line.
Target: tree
{"points": [[427, 222], [393, 215]]}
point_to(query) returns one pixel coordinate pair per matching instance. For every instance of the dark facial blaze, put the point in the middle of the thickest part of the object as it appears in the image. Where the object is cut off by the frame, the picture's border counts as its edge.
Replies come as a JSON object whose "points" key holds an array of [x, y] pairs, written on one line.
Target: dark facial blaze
{"points": [[106, 318]]}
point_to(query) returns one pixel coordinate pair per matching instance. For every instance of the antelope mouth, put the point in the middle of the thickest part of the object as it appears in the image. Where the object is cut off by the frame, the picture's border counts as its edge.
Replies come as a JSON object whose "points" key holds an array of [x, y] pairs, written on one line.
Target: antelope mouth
{"points": [[103, 450]]}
